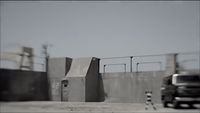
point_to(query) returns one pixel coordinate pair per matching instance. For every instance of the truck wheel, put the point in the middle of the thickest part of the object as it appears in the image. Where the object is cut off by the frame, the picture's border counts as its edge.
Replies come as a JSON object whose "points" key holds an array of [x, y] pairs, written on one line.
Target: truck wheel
{"points": [[165, 104], [175, 104], [191, 105]]}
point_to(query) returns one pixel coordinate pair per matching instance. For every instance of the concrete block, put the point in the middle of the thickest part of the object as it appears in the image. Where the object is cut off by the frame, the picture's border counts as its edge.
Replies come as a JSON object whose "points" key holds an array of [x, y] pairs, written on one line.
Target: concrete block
{"points": [[57, 69], [82, 81]]}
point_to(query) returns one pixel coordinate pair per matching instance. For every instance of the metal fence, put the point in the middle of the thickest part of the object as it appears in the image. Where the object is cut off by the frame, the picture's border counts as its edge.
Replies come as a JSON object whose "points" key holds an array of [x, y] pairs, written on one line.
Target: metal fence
{"points": [[38, 64], [156, 62]]}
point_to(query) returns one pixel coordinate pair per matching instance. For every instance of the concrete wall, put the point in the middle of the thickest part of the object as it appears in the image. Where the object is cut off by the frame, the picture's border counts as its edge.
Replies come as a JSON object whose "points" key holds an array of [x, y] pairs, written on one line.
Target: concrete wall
{"points": [[92, 81], [84, 83], [57, 69], [171, 64], [17, 85], [131, 87], [75, 90], [82, 79]]}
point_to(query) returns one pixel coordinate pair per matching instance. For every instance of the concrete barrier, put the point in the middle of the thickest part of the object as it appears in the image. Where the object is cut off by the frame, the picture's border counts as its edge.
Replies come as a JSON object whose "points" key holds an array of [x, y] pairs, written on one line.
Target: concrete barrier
{"points": [[82, 81], [57, 69], [18, 85], [130, 87]]}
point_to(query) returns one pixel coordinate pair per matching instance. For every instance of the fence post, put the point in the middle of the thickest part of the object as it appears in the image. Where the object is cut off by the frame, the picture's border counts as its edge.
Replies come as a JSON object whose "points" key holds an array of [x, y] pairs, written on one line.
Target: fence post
{"points": [[137, 67], [104, 68], [131, 63], [124, 67]]}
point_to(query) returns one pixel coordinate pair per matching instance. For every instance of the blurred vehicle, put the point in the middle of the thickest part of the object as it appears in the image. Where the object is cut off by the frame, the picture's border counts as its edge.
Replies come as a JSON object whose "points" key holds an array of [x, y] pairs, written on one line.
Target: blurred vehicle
{"points": [[181, 89]]}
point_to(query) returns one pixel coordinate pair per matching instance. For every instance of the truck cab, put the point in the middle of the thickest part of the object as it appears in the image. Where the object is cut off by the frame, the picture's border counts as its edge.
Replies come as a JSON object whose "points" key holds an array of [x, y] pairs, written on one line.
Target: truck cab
{"points": [[181, 89]]}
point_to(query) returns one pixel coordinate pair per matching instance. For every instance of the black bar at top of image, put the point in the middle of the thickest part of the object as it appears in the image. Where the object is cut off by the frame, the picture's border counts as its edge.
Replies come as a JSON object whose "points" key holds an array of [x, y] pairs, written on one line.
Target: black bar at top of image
{"points": [[99, 0]]}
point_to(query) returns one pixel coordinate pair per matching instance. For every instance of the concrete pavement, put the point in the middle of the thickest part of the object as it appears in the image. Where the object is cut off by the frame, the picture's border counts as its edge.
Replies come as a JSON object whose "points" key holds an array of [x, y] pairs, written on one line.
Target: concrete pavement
{"points": [[82, 107]]}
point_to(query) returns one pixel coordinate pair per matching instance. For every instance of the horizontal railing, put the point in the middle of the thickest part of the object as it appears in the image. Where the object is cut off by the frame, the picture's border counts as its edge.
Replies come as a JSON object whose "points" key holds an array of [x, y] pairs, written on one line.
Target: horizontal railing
{"points": [[153, 60]]}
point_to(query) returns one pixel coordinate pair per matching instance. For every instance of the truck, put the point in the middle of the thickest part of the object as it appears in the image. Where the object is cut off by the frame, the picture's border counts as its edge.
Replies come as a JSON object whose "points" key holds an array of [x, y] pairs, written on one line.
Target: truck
{"points": [[182, 88]]}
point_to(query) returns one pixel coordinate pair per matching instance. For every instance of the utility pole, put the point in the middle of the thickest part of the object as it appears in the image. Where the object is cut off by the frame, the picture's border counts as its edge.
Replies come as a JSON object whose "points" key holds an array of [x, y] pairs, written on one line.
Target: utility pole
{"points": [[46, 55]]}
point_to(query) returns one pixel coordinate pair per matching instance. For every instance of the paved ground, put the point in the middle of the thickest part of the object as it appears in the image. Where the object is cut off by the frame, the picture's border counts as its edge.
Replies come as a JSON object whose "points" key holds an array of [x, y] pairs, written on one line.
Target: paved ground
{"points": [[81, 107]]}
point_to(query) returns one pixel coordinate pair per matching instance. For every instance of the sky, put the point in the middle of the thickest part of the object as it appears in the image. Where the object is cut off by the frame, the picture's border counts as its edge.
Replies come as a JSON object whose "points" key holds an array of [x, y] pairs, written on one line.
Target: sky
{"points": [[101, 28]]}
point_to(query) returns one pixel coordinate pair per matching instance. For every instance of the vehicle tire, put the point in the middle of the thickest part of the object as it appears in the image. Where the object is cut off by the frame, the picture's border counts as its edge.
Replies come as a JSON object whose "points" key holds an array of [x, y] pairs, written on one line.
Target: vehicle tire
{"points": [[191, 105], [175, 104], [165, 104]]}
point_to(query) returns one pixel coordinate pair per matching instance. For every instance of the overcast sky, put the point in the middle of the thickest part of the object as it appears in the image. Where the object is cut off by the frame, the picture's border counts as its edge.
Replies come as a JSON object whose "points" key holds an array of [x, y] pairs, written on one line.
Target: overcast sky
{"points": [[102, 29]]}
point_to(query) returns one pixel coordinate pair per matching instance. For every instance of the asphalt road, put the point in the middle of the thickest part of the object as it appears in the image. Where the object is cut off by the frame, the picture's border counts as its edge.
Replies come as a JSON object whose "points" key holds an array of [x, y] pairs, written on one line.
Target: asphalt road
{"points": [[92, 107]]}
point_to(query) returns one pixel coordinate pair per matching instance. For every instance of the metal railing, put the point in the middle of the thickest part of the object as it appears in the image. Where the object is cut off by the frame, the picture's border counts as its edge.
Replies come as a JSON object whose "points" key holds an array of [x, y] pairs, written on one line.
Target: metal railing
{"points": [[26, 55], [159, 63], [105, 65], [124, 57], [146, 59]]}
